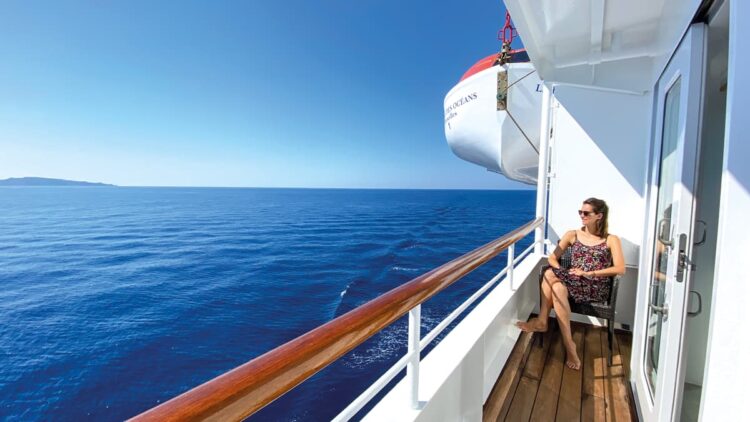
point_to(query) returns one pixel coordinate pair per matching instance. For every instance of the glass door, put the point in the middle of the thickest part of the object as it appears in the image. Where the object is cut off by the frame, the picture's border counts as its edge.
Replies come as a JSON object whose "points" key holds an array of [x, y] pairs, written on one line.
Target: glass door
{"points": [[659, 331], [657, 309]]}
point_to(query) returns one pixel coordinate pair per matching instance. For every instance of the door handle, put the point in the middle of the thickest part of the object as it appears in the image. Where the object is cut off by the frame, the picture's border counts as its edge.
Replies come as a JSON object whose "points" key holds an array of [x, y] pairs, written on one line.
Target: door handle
{"points": [[700, 227], [683, 261], [663, 232], [659, 309], [700, 304]]}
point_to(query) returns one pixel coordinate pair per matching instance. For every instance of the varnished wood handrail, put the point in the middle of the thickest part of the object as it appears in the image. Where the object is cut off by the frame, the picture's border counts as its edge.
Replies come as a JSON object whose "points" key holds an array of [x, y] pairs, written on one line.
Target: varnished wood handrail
{"points": [[244, 390]]}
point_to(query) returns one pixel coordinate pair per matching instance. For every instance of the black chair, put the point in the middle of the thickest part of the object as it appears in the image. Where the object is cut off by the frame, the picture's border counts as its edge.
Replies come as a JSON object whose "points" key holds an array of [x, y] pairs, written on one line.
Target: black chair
{"points": [[603, 310]]}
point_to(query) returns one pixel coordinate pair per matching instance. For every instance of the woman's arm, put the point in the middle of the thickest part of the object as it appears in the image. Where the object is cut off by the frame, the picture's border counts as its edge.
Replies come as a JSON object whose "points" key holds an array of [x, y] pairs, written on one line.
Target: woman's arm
{"points": [[618, 261], [567, 240]]}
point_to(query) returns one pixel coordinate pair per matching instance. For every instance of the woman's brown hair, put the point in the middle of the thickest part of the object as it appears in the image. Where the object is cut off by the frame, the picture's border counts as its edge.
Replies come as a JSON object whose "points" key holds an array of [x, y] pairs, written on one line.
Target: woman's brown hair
{"points": [[600, 207]]}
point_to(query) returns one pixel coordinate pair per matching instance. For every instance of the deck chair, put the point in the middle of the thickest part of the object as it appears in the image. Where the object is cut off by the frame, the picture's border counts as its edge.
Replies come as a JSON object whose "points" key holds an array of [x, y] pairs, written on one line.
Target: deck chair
{"points": [[604, 310]]}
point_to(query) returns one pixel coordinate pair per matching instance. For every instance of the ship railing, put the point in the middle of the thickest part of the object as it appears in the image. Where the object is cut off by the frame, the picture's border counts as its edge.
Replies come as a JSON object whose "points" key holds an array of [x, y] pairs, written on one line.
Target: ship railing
{"points": [[415, 346], [246, 389]]}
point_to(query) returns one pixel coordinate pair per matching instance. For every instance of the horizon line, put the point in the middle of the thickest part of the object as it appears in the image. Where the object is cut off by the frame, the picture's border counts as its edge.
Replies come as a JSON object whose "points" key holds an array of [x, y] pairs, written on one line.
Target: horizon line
{"points": [[82, 183], [261, 187]]}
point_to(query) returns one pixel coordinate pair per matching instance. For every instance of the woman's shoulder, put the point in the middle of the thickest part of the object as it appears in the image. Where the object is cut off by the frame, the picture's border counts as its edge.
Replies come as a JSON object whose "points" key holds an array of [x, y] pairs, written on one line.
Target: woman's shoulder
{"points": [[612, 239], [571, 235]]}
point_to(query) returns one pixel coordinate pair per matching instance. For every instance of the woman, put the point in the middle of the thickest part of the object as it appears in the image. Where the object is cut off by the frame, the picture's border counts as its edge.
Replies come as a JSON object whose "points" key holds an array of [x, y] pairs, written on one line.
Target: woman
{"points": [[596, 256]]}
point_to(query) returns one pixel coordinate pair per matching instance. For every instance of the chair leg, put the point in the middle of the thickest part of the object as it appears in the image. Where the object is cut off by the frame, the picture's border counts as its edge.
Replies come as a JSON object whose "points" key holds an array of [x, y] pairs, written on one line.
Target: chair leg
{"points": [[610, 336]]}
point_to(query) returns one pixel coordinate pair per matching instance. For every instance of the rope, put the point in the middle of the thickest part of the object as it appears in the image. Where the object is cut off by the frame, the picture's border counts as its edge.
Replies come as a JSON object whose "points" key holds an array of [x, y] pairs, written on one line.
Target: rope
{"points": [[522, 132], [521, 78]]}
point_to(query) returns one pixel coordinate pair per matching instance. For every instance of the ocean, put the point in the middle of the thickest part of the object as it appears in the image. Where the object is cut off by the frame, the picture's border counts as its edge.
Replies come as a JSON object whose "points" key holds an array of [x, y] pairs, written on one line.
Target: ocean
{"points": [[114, 299]]}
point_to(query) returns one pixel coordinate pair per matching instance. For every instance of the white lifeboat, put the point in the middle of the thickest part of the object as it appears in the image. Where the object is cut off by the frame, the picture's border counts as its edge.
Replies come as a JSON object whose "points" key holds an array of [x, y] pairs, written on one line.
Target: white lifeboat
{"points": [[493, 116]]}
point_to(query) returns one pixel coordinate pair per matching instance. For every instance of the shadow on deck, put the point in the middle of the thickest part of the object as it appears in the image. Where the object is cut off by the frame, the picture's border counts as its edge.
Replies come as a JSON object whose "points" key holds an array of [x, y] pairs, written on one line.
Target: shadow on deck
{"points": [[535, 384]]}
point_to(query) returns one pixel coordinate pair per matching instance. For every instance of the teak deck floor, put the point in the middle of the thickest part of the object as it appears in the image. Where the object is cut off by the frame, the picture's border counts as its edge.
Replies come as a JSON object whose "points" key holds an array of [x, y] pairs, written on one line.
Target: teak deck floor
{"points": [[535, 384]]}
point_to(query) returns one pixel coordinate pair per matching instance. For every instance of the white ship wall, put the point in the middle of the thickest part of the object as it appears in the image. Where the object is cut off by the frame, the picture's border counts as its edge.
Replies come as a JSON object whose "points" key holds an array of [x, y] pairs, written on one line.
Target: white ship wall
{"points": [[727, 366], [612, 130]]}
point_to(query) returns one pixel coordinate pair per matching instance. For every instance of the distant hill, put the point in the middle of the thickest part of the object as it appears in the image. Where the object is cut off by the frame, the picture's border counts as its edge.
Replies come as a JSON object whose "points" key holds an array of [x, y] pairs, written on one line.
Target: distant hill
{"points": [[42, 181]]}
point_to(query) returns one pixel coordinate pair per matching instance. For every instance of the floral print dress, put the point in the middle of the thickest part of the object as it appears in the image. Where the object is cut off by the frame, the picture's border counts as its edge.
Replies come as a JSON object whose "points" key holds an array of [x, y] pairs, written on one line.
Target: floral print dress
{"points": [[589, 258]]}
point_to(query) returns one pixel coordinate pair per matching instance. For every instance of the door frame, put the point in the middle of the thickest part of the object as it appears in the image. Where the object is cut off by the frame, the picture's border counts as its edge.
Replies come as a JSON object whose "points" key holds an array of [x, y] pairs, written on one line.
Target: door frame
{"points": [[687, 60]]}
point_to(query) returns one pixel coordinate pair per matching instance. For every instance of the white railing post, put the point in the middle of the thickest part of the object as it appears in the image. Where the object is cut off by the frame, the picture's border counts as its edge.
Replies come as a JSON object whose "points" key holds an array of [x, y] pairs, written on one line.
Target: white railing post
{"points": [[511, 258], [412, 368], [541, 181]]}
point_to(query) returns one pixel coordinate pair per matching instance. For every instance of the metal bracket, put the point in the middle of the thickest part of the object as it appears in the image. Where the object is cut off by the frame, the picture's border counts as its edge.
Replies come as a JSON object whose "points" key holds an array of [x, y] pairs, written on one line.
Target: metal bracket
{"points": [[502, 90]]}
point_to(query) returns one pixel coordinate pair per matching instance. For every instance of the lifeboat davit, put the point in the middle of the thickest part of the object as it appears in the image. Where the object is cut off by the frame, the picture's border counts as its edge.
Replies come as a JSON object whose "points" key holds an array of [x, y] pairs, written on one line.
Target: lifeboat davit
{"points": [[493, 117]]}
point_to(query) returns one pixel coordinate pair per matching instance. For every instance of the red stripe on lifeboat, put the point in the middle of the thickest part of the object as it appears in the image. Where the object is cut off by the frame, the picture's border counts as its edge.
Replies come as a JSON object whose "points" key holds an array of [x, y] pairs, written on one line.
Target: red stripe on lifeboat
{"points": [[479, 66], [490, 60]]}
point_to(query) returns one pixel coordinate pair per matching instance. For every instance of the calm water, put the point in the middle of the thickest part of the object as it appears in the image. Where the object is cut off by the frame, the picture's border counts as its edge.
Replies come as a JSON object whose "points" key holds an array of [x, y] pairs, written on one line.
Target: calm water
{"points": [[113, 300]]}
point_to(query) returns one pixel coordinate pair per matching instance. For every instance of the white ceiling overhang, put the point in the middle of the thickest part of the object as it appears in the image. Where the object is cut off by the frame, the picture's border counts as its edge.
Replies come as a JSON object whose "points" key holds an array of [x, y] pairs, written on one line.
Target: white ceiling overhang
{"points": [[613, 44]]}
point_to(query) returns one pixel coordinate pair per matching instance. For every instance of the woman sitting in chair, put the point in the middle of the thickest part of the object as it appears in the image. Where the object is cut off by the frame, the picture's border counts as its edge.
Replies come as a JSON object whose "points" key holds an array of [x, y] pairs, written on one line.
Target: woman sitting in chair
{"points": [[596, 256]]}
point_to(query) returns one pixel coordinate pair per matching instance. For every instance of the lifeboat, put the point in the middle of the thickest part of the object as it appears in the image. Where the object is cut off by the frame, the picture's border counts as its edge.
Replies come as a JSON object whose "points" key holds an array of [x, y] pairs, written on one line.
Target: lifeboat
{"points": [[493, 117]]}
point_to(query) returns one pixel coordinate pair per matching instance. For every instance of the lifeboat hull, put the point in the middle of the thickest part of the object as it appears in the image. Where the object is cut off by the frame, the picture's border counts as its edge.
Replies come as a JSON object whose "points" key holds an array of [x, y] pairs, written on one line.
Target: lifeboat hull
{"points": [[504, 141]]}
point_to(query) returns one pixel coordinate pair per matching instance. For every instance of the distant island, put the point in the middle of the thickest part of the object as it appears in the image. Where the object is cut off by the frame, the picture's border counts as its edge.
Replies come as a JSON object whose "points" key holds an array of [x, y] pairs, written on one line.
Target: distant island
{"points": [[43, 181]]}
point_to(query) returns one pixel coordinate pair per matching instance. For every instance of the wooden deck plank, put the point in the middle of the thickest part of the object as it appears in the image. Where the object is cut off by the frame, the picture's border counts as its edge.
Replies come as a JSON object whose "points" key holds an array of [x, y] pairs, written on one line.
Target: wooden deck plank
{"points": [[593, 408], [545, 406], [593, 361], [624, 342], [592, 395], [569, 403], [615, 386], [498, 403], [526, 387], [523, 400], [535, 364]]}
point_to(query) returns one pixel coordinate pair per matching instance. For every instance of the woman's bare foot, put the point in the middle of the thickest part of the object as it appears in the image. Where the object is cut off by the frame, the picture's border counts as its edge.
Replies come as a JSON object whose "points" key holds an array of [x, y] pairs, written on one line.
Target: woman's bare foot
{"points": [[572, 361], [535, 325]]}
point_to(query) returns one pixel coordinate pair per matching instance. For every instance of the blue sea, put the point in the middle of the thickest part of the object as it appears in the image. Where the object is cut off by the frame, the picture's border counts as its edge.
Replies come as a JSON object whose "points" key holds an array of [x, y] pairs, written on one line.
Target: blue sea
{"points": [[113, 300]]}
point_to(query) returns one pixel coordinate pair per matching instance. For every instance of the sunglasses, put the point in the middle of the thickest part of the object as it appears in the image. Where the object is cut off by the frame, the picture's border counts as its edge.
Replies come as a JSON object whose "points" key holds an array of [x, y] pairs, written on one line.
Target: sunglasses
{"points": [[585, 213]]}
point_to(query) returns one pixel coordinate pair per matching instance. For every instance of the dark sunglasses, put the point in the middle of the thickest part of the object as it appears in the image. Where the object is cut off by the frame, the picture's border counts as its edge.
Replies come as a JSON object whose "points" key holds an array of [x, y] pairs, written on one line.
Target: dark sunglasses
{"points": [[585, 213]]}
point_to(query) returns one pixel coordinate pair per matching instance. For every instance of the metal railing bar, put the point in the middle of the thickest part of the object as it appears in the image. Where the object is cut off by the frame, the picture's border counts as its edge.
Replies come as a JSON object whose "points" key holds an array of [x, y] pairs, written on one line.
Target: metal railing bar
{"points": [[524, 253], [458, 311], [412, 368], [511, 257], [357, 404], [468, 302], [519, 258]]}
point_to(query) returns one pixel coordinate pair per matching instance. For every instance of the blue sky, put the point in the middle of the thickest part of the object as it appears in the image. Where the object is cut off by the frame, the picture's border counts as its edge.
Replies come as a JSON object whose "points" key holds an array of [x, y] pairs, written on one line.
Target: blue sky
{"points": [[241, 93]]}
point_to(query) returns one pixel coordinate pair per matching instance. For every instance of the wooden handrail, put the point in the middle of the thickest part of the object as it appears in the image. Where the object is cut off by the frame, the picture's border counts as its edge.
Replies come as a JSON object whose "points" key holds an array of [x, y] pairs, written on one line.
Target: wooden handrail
{"points": [[244, 390]]}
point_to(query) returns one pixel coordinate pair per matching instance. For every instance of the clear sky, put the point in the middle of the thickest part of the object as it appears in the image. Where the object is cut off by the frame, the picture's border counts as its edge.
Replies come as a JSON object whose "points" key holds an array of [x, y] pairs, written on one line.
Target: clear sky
{"points": [[299, 93]]}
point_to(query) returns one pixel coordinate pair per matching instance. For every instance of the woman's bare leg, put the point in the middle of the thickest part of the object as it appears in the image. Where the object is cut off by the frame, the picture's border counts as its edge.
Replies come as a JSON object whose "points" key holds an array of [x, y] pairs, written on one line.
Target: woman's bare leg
{"points": [[539, 324], [562, 310]]}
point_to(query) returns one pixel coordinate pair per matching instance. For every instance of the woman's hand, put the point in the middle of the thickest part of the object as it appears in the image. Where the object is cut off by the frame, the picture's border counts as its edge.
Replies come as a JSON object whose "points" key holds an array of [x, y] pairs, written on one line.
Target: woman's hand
{"points": [[579, 272]]}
